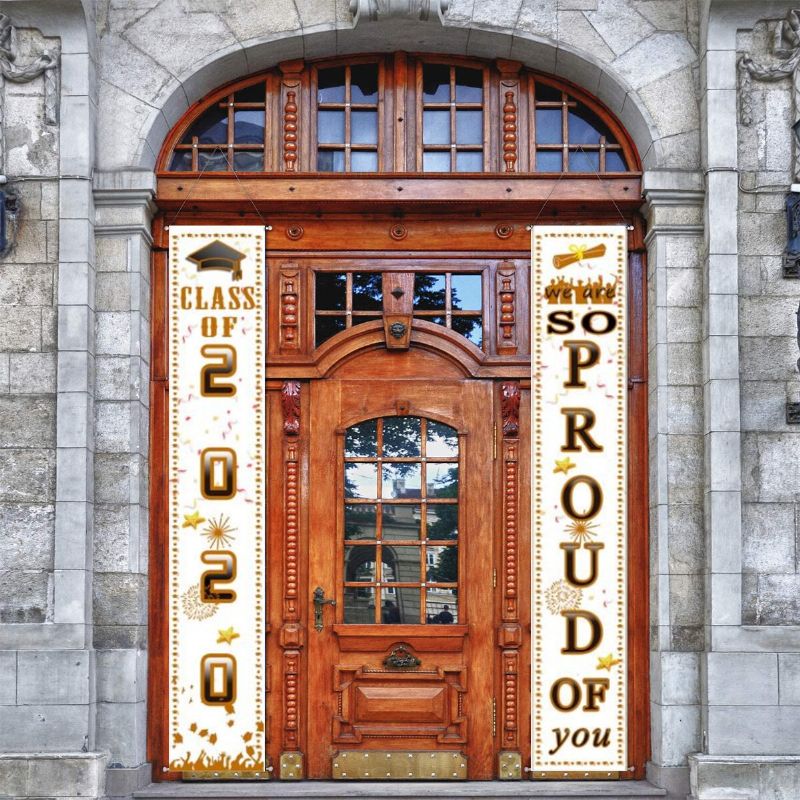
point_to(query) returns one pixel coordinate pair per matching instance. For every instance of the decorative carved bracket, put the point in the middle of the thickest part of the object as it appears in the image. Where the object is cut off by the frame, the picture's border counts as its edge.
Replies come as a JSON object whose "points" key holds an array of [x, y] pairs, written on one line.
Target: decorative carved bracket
{"points": [[509, 406], [398, 301], [374, 10]]}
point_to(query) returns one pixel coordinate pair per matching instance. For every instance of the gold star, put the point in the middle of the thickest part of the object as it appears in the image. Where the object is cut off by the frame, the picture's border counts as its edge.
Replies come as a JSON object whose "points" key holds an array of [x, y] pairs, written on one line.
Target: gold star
{"points": [[564, 465], [606, 662], [227, 635], [192, 520]]}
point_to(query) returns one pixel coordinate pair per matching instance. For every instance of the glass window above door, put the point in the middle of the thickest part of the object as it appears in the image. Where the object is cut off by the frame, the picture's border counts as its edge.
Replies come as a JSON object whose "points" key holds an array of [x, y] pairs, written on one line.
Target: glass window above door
{"points": [[400, 522]]}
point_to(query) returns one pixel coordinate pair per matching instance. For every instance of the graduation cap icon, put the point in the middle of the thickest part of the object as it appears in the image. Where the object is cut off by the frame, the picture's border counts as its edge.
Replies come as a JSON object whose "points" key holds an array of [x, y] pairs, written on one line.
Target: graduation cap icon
{"points": [[218, 255]]}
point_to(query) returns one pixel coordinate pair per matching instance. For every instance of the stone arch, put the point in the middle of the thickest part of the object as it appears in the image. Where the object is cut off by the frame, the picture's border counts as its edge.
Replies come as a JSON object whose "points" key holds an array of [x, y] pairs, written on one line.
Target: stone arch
{"points": [[536, 52]]}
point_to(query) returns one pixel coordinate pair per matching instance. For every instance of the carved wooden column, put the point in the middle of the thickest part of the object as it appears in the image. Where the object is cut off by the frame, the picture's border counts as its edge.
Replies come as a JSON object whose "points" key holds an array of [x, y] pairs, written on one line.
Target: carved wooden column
{"points": [[510, 116], [291, 637], [510, 634], [291, 103], [506, 308]]}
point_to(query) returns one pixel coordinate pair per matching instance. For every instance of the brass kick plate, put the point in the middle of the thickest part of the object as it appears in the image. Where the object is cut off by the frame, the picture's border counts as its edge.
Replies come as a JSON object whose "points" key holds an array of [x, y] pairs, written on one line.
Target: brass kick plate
{"points": [[575, 775], [375, 765], [227, 775], [291, 768], [509, 766]]}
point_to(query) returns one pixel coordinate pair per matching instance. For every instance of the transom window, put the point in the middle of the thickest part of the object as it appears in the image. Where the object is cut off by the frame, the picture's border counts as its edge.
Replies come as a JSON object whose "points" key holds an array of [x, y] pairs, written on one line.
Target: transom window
{"points": [[400, 522], [399, 113], [344, 299]]}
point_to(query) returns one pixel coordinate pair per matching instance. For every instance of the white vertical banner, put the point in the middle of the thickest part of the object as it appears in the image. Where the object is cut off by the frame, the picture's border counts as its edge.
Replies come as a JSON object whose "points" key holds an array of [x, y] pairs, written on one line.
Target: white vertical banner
{"points": [[217, 342], [579, 516]]}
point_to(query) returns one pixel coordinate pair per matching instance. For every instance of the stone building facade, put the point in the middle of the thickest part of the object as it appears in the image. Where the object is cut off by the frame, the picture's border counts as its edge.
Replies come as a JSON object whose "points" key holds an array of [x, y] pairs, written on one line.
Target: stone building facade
{"points": [[80, 141]]}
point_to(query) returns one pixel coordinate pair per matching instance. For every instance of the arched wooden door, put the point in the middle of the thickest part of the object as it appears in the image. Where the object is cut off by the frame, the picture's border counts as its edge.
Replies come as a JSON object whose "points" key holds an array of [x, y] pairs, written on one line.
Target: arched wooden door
{"points": [[400, 670]]}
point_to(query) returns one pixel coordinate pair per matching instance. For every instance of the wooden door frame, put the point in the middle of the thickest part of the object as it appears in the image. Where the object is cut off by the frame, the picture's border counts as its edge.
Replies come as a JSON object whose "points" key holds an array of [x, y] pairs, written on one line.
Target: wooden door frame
{"points": [[480, 234]]}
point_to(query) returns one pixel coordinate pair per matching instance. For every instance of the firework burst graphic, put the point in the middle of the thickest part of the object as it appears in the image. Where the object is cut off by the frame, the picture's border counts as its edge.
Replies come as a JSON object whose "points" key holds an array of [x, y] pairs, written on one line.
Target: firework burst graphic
{"points": [[581, 531], [218, 532]]}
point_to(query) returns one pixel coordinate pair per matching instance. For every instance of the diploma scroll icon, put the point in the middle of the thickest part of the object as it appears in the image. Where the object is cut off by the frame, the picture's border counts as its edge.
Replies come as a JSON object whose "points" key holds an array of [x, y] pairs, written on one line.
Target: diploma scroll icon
{"points": [[578, 253]]}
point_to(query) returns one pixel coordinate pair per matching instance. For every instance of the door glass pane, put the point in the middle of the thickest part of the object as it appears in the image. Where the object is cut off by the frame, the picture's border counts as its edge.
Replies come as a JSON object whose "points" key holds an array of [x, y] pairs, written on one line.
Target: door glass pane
{"points": [[549, 94], [330, 85], [364, 83], [429, 292], [470, 327], [212, 160], [248, 126], [442, 521], [467, 292], [442, 606], [436, 83], [251, 94], [584, 161], [400, 605], [401, 437], [361, 441], [442, 480], [211, 127], [469, 85], [548, 161], [330, 288], [330, 127], [548, 125], [364, 127], [401, 481], [359, 521], [359, 563], [359, 605], [442, 441], [363, 161], [248, 161], [614, 162], [361, 480], [436, 127], [367, 291], [181, 161], [469, 161], [330, 160], [401, 521], [326, 327], [401, 563], [469, 127], [436, 162], [585, 127], [442, 563]]}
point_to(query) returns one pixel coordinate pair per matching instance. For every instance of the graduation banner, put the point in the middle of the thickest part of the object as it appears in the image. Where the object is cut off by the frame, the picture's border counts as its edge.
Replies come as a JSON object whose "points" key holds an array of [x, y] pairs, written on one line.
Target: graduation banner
{"points": [[216, 500], [579, 527]]}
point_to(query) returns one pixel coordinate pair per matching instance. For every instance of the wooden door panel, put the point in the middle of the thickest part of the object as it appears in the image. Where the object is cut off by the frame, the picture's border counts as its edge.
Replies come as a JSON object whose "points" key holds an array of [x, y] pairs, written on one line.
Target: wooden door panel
{"points": [[356, 700]]}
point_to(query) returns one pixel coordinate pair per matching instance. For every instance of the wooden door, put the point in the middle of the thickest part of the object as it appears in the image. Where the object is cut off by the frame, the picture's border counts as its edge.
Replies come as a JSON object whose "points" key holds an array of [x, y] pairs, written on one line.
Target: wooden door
{"points": [[400, 536]]}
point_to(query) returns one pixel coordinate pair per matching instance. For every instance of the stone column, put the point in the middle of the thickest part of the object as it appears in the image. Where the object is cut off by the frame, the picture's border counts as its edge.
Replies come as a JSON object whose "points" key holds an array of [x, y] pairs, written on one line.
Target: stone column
{"points": [[674, 302]]}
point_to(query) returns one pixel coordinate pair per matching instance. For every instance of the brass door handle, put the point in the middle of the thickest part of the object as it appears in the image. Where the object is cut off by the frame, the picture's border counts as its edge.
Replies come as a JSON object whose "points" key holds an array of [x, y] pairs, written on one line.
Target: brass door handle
{"points": [[319, 603]]}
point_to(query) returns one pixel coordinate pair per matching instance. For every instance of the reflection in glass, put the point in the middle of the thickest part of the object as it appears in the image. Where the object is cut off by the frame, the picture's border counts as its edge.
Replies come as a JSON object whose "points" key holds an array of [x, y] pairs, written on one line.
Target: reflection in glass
{"points": [[585, 127], [359, 320], [441, 606], [248, 126], [469, 85], [442, 480], [442, 564], [364, 127], [364, 83], [429, 292], [359, 563], [211, 127], [584, 162], [436, 127], [181, 161], [436, 162], [367, 291], [549, 94], [330, 127], [466, 292], [359, 605], [401, 437], [212, 160], [469, 127], [548, 161], [248, 161], [326, 327], [442, 521], [330, 85], [469, 161], [330, 160], [361, 480], [330, 291], [401, 563], [436, 83], [362, 440], [441, 441], [400, 481], [548, 125], [363, 161], [251, 94], [614, 162], [401, 522], [470, 328], [359, 521], [400, 605]]}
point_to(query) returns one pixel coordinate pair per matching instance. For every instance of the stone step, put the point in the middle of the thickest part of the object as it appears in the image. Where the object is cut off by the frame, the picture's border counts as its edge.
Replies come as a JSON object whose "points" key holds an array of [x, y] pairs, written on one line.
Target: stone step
{"points": [[411, 790]]}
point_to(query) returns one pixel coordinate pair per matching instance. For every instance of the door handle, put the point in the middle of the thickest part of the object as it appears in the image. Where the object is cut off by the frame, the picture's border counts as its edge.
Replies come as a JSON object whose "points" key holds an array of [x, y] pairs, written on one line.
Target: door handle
{"points": [[319, 603]]}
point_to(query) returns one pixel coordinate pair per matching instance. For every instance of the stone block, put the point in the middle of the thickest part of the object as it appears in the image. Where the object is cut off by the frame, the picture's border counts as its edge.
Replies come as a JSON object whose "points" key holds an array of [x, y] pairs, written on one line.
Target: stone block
{"points": [[684, 407], [685, 469], [538, 17], [76, 149], [769, 537], [115, 426], [766, 730], [122, 730], [722, 274], [111, 254], [73, 474], [761, 234], [70, 596], [32, 373], [710, 778], [576, 31], [729, 673], [789, 679], [672, 103], [771, 467], [115, 473], [686, 599], [113, 291], [120, 637], [779, 781], [121, 676], [5, 368], [113, 333], [676, 678], [28, 536], [13, 773], [725, 525], [771, 358], [721, 216], [26, 285], [113, 378], [76, 284], [720, 108], [75, 371], [28, 602], [620, 26], [686, 539], [683, 325], [27, 476], [50, 318], [74, 419], [78, 775], [778, 600], [20, 329], [120, 599], [27, 421], [8, 686], [684, 287], [654, 57], [678, 734], [722, 400], [75, 328], [725, 599], [723, 457], [112, 538], [767, 316], [53, 677], [684, 364], [74, 524]]}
